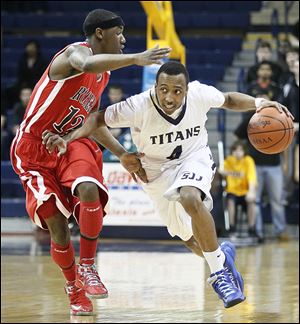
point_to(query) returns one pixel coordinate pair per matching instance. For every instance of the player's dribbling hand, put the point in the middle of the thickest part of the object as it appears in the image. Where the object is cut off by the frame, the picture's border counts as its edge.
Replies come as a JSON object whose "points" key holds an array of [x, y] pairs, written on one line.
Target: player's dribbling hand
{"points": [[152, 56], [51, 141], [281, 108], [132, 163]]}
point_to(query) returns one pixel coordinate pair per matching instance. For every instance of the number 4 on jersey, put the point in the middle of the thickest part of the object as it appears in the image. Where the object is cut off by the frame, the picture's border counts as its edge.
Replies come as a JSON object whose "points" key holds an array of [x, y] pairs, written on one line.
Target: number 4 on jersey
{"points": [[176, 153]]}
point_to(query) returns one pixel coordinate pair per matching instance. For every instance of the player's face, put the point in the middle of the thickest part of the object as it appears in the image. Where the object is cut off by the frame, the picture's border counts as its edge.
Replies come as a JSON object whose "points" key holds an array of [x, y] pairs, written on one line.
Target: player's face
{"points": [[113, 40], [171, 91]]}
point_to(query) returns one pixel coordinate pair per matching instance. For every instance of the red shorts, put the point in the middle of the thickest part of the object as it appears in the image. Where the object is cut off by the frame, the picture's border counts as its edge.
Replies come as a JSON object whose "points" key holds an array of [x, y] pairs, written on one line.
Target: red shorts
{"points": [[43, 174]]}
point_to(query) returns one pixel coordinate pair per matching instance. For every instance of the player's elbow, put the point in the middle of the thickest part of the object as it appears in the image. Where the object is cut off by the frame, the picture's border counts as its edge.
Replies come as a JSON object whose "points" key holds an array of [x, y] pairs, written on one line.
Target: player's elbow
{"points": [[229, 102], [87, 66]]}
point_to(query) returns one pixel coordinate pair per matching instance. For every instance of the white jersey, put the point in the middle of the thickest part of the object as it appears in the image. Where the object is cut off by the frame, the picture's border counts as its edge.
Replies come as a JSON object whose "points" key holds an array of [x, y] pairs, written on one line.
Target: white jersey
{"points": [[176, 149], [164, 140]]}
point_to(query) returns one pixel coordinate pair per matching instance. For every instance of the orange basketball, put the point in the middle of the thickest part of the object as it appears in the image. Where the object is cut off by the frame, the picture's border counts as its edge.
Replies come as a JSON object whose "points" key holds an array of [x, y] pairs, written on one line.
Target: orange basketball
{"points": [[270, 131]]}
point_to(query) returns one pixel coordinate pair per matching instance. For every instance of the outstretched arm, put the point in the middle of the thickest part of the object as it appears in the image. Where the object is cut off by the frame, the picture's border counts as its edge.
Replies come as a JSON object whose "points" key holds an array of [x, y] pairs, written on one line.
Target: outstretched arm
{"points": [[76, 59], [95, 126], [242, 102]]}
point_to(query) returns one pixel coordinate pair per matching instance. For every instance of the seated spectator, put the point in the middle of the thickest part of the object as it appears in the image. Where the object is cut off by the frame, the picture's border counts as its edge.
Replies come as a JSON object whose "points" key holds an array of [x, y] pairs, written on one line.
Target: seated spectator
{"points": [[291, 56], [263, 53], [283, 47], [19, 109], [115, 95], [291, 155], [264, 82], [240, 173], [4, 133], [10, 122], [31, 66]]}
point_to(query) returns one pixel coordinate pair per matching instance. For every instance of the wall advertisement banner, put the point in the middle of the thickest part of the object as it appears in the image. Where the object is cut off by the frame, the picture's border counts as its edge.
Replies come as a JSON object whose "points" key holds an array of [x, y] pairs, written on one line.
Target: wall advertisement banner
{"points": [[128, 204]]}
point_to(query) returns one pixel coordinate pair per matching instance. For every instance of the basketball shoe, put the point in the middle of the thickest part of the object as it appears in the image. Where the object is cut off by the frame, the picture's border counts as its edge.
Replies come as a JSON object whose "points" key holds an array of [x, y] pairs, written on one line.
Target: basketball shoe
{"points": [[79, 303], [88, 279], [229, 250], [226, 290]]}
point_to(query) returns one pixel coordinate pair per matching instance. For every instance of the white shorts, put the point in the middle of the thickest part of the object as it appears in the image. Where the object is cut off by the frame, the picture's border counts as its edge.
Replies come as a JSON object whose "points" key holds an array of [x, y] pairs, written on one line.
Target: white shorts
{"points": [[197, 171]]}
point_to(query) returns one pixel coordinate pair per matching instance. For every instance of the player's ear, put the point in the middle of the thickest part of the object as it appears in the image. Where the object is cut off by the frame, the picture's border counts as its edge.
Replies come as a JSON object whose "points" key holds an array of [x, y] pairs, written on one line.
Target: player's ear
{"points": [[99, 33]]}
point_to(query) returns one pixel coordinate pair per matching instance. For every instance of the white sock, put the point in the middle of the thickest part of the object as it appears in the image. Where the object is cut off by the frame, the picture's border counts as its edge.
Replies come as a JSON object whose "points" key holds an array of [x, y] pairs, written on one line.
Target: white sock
{"points": [[215, 260]]}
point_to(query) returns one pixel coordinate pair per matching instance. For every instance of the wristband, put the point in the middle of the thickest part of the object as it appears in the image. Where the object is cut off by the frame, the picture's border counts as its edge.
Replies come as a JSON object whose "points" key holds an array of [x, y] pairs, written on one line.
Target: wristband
{"points": [[258, 101]]}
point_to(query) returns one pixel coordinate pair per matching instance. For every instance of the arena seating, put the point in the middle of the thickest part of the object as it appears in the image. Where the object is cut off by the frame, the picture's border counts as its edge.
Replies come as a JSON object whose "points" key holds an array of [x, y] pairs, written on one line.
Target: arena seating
{"points": [[20, 23]]}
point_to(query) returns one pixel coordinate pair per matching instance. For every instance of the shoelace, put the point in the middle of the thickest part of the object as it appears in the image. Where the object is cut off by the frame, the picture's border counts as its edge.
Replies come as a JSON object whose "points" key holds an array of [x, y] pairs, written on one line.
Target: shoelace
{"points": [[91, 276], [223, 286], [76, 295], [231, 276]]}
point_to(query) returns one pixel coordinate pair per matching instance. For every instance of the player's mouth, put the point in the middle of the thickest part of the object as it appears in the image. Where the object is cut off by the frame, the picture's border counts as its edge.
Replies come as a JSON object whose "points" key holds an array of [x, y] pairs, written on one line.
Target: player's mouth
{"points": [[121, 49], [169, 106]]}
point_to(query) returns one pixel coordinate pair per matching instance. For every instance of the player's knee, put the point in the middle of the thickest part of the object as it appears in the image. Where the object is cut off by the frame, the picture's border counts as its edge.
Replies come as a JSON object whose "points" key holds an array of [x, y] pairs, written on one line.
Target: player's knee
{"points": [[59, 230], [87, 191], [190, 199]]}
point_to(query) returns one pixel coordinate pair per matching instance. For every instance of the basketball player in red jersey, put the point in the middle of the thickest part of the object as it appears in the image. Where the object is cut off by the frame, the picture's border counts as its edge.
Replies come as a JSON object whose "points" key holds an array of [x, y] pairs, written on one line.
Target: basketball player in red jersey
{"points": [[57, 186]]}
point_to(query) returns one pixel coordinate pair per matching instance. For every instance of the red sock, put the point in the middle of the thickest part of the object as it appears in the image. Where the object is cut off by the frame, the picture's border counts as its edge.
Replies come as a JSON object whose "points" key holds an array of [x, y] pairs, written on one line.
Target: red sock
{"points": [[64, 257], [90, 223]]}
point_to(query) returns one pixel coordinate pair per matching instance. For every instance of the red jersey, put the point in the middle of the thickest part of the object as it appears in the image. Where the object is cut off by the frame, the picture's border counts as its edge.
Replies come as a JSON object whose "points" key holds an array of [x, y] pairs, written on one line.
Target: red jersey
{"points": [[58, 106], [61, 106]]}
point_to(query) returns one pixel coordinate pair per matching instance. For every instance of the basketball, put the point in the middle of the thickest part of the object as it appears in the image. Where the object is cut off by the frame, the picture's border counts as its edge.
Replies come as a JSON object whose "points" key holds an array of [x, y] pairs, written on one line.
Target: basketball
{"points": [[270, 131]]}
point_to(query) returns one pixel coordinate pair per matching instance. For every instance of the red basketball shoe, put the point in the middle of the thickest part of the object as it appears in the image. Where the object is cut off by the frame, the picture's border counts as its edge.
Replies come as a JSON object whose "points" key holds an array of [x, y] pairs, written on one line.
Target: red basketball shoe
{"points": [[88, 278], [79, 303]]}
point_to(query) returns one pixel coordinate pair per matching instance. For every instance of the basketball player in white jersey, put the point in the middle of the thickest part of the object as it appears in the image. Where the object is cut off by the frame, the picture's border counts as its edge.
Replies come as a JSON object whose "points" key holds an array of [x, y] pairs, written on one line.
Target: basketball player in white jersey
{"points": [[168, 126]]}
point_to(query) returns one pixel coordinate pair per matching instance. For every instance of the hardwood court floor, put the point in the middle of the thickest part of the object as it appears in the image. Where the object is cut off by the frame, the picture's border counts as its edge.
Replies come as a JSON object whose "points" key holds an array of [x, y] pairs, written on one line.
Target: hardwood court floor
{"points": [[156, 287]]}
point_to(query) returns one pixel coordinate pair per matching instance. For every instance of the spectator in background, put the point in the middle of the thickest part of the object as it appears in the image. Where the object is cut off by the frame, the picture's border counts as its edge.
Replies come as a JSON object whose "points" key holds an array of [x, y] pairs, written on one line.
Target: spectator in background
{"points": [[115, 95], [291, 155], [11, 119], [264, 82], [269, 177], [19, 109], [4, 133], [263, 53], [291, 56], [31, 65], [240, 173], [283, 47]]}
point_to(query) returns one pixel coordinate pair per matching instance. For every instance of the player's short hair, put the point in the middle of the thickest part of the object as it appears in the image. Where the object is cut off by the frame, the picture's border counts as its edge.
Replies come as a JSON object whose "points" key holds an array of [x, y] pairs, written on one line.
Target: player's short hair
{"points": [[173, 68], [100, 18]]}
